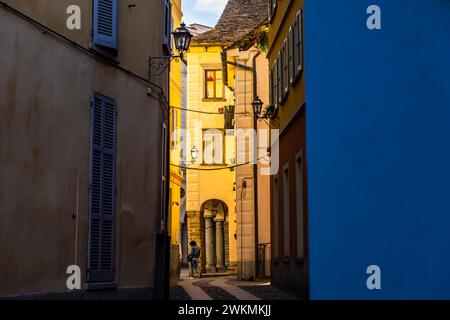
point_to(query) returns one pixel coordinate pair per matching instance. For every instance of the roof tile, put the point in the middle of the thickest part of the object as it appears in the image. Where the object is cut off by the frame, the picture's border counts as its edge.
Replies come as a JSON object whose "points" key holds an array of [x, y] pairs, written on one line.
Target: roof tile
{"points": [[238, 20]]}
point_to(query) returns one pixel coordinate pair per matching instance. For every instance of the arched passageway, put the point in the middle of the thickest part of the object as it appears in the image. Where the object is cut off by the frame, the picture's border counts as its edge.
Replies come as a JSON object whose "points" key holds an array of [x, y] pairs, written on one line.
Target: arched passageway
{"points": [[215, 234]]}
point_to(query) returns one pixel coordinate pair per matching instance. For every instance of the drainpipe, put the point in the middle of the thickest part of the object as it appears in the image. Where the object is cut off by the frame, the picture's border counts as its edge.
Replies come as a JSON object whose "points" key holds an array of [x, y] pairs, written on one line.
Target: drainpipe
{"points": [[255, 166]]}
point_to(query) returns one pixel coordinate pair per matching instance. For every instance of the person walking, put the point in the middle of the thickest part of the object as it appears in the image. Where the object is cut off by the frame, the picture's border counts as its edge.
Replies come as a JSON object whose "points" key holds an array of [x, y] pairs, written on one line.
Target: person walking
{"points": [[193, 258]]}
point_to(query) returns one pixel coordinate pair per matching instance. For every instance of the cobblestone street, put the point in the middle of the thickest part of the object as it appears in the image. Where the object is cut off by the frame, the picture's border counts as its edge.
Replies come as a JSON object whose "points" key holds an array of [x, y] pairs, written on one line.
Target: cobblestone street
{"points": [[224, 288]]}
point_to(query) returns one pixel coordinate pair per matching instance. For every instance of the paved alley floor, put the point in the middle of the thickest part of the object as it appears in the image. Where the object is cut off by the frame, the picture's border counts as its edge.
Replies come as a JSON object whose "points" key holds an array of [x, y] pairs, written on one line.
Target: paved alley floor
{"points": [[225, 288]]}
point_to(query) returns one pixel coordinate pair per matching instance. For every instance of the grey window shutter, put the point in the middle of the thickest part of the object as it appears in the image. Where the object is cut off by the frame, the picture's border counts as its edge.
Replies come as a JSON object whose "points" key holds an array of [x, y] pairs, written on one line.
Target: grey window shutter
{"points": [[102, 190], [168, 26], [106, 23]]}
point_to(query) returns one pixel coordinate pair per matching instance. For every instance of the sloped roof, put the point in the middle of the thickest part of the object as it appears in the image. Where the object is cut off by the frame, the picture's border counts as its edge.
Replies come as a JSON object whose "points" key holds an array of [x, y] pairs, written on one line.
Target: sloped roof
{"points": [[197, 29], [239, 19]]}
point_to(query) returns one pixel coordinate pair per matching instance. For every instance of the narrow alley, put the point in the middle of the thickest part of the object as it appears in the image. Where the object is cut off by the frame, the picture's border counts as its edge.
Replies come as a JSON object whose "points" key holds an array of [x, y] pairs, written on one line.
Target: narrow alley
{"points": [[224, 150], [224, 288]]}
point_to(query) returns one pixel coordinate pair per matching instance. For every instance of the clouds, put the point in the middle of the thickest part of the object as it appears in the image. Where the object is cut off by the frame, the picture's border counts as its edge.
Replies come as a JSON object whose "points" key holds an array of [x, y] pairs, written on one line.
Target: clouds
{"points": [[210, 6], [203, 11]]}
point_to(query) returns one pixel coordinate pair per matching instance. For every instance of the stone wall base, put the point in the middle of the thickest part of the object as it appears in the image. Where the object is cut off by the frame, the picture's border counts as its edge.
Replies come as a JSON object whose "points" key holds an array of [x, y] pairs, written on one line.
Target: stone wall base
{"points": [[290, 276]]}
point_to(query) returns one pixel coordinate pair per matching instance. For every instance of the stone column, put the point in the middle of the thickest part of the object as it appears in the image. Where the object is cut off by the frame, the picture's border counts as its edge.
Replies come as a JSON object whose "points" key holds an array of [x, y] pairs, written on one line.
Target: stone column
{"points": [[209, 239], [220, 252], [194, 225]]}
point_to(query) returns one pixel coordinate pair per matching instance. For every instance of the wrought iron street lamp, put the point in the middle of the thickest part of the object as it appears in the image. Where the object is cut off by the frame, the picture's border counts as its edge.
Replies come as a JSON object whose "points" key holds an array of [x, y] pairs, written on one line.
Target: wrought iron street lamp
{"points": [[194, 154], [257, 107], [258, 110], [182, 39]]}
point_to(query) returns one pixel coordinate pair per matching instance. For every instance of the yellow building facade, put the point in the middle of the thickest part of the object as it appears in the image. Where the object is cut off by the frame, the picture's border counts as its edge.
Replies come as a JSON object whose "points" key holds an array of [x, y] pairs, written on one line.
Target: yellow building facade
{"points": [[222, 197], [210, 184], [176, 174]]}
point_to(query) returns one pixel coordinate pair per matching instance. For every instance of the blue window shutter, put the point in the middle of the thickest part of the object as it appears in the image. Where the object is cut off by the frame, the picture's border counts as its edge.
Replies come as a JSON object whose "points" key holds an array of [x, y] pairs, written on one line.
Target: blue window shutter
{"points": [[102, 190], [168, 26], [106, 23], [165, 13], [169, 36]]}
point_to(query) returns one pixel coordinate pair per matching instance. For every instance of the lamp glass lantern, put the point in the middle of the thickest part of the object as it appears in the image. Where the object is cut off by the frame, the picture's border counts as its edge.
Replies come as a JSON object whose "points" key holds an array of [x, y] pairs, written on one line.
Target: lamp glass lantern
{"points": [[257, 107], [182, 38], [194, 154]]}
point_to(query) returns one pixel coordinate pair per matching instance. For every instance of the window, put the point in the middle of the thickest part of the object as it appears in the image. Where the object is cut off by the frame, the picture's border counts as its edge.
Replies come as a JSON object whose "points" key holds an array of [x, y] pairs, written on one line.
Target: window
{"points": [[214, 86], [275, 84], [228, 115], [299, 42], [170, 216], [292, 54], [174, 128], [213, 147], [272, 8], [282, 73], [270, 88], [286, 204], [168, 26], [279, 79], [276, 219], [299, 206], [106, 23], [102, 191], [286, 50], [164, 172]]}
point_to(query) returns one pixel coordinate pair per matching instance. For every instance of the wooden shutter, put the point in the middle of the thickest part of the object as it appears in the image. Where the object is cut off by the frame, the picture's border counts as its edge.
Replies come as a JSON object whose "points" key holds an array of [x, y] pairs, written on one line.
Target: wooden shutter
{"points": [[169, 40], [292, 58], [272, 7], [299, 41], [279, 78], [102, 190], [286, 67], [271, 88], [168, 26], [106, 23], [275, 83], [282, 70]]}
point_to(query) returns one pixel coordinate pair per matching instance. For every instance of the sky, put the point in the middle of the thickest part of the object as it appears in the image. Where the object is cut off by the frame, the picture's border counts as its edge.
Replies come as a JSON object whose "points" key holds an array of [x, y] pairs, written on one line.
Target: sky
{"points": [[206, 12]]}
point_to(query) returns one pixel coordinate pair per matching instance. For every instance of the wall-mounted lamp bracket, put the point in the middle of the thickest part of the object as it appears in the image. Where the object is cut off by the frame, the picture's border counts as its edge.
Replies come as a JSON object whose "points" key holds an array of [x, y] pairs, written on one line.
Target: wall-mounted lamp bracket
{"points": [[159, 65]]}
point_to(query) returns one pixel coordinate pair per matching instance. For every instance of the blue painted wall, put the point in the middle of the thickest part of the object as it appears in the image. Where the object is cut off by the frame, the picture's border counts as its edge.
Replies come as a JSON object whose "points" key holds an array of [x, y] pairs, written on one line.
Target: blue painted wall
{"points": [[378, 130]]}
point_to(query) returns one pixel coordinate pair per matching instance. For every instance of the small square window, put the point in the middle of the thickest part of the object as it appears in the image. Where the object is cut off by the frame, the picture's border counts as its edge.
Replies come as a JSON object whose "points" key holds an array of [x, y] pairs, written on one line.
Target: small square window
{"points": [[214, 84]]}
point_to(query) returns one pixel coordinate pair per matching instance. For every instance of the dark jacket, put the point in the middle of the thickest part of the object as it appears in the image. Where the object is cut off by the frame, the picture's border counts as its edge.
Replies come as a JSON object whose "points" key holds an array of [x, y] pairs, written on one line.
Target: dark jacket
{"points": [[195, 252]]}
